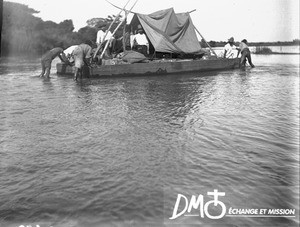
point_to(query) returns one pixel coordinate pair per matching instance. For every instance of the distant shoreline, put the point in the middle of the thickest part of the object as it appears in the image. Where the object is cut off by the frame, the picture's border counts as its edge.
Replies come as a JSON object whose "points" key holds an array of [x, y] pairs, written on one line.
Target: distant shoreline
{"points": [[276, 53], [254, 44]]}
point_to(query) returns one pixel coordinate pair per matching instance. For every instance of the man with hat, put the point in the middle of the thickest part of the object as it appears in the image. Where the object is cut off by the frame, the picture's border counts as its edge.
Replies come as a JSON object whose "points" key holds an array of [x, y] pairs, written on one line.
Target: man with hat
{"points": [[228, 49], [140, 41]]}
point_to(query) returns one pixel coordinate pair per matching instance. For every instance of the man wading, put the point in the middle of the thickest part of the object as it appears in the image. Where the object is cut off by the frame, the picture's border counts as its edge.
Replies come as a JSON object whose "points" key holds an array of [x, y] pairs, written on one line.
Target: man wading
{"points": [[246, 55], [82, 55], [48, 57]]}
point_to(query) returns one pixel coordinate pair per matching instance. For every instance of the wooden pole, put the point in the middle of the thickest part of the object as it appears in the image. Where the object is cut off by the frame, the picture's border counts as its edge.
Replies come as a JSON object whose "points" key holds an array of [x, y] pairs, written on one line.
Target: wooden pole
{"points": [[206, 42], [126, 13], [123, 40], [97, 50]]}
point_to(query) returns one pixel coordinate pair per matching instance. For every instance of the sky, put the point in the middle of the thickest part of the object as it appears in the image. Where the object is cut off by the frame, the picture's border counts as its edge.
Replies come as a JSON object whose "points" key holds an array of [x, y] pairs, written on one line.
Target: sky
{"points": [[218, 20]]}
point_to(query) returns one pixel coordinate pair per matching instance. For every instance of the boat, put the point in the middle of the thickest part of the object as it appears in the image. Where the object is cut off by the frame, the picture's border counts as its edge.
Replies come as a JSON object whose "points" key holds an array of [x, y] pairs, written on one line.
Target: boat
{"points": [[169, 34], [162, 67]]}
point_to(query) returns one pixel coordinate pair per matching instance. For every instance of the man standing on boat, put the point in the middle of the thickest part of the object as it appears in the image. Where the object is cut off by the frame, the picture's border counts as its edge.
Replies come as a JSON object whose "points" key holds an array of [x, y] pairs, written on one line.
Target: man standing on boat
{"points": [[140, 42], [102, 39], [229, 49], [82, 55], [101, 33]]}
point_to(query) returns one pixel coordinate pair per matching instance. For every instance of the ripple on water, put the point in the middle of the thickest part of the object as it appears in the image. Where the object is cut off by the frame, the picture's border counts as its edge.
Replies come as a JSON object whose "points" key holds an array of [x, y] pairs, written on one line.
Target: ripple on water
{"points": [[114, 150]]}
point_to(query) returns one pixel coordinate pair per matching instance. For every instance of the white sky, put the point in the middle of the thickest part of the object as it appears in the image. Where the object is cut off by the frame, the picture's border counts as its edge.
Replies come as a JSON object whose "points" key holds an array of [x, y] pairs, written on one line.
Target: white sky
{"points": [[218, 20]]}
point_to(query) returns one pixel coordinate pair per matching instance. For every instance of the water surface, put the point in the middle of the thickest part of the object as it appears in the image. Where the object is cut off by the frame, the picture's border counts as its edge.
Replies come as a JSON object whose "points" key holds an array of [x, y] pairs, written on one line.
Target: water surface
{"points": [[116, 151]]}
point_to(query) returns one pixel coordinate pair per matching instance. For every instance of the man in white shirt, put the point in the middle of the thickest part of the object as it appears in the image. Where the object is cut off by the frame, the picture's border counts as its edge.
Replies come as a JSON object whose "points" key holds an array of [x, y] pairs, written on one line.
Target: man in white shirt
{"points": [[101, 33], [140, 42], [69, 53], [229, 49], [101, 40]]}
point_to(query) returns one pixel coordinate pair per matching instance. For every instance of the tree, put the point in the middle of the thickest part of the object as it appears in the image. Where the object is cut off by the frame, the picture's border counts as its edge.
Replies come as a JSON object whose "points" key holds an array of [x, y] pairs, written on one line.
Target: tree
{"points": [[24, 33], [66, 26], [88, 35], [19, 26]]}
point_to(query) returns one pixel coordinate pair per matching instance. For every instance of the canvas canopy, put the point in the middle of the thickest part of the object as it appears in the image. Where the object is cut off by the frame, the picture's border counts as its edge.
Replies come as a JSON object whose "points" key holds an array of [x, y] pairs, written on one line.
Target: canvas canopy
{"points": [[169, 32]]}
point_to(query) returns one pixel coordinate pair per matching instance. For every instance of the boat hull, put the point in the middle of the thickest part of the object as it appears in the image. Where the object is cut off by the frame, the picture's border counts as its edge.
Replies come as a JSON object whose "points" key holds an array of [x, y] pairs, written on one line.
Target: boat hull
{"points": [[153, 68]]}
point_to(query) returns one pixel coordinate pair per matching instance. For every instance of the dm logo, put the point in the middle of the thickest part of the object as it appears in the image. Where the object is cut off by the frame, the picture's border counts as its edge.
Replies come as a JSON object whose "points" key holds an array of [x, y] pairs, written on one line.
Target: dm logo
{"points": [[198, 203]]}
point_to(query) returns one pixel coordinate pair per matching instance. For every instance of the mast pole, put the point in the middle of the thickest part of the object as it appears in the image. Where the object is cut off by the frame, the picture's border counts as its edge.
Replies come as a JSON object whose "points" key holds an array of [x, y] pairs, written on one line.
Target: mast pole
{"points": [[97, 50], [126, 13], [206, 42]]}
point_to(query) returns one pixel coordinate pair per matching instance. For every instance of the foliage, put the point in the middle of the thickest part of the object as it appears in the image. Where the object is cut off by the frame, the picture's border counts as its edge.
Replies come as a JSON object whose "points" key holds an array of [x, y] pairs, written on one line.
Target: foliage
{"points": [[18, 27], [88, 35], [25, 34], [263, 50]]}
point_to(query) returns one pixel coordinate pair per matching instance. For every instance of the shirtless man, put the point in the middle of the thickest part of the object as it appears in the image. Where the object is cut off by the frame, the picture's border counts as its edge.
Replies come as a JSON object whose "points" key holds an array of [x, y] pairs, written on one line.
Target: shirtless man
{"points": [[47, 58]]}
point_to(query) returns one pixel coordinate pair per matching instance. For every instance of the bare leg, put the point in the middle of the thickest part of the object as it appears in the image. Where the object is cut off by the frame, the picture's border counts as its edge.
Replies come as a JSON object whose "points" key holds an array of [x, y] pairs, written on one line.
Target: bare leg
{"points": [[249, 60], [243, 60], [75, 74], [47, 75], [80, 74], [43, 70]]}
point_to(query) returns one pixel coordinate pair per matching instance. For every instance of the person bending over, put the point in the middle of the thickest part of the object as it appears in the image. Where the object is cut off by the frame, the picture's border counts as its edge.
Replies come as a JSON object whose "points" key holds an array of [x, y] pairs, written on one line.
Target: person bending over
{"points": [[69, 54], [47, 58], [82, 56]]}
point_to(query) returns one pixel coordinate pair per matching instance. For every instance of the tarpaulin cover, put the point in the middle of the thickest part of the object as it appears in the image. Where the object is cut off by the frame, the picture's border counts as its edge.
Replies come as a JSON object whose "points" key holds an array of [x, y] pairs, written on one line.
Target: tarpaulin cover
{"points": [[170, 32]]}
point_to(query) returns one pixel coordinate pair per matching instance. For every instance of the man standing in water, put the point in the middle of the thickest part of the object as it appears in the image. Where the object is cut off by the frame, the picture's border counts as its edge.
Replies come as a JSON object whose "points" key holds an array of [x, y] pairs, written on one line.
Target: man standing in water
{"points": [[246, 55], [48, 57], [82, 55]]}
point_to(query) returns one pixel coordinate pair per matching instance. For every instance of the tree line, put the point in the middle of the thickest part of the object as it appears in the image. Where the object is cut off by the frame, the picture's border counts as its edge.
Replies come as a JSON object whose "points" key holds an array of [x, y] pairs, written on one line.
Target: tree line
{"points": [[25, 34]]}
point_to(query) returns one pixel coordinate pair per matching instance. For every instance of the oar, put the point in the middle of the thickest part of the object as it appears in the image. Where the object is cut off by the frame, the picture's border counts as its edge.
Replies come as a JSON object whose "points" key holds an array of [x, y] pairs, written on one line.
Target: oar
{"points": [[206, 42], [95, 54], [126, 13]]}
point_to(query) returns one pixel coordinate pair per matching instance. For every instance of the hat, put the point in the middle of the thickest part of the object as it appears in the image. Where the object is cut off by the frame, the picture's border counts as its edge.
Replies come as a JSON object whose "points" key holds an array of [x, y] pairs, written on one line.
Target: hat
{"points": [[231, 40], [244, 40]]}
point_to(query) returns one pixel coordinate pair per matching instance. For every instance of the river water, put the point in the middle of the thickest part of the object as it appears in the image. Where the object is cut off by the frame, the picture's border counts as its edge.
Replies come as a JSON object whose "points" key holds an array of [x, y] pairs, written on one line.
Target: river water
{"points": [[118, 151]]}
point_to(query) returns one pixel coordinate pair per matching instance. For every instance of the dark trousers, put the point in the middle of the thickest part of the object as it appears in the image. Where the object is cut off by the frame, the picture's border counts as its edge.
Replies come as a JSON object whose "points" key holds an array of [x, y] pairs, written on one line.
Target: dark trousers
{"points": [[246, 55], [141, 49]]}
